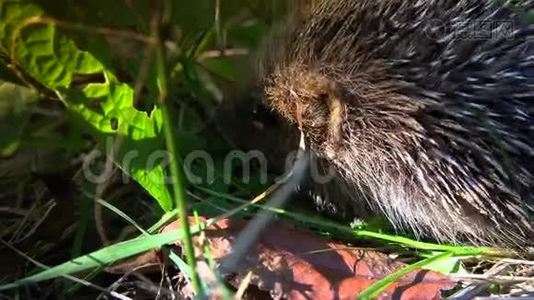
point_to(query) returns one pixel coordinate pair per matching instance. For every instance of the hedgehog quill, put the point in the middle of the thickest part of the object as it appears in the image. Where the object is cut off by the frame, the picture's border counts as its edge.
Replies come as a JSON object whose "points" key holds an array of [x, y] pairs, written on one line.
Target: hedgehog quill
{"points": [[425, 109]]}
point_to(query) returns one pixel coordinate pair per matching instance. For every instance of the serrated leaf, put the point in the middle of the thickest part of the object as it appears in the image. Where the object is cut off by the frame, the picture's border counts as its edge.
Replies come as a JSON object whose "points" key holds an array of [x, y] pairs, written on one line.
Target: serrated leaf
{"points": [[135, 133], [51, 57], [105, 110], [12, 13]]}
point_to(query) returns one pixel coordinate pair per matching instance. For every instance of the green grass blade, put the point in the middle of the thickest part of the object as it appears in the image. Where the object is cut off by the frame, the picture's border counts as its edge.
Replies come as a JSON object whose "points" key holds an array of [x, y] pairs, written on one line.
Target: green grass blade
{"points": [[102, 257], [173, 150], [166, 218], [377, 288], [366, 234], [122, 215]]}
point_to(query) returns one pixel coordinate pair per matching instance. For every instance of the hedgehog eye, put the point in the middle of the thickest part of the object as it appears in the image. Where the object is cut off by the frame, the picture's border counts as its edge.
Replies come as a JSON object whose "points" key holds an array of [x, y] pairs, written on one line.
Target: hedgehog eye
{"points": [[323, 97]]}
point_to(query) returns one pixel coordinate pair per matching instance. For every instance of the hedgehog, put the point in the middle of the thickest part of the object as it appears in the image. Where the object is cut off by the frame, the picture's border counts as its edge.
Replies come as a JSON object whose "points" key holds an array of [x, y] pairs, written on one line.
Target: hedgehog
{"points": [[424, 108]]}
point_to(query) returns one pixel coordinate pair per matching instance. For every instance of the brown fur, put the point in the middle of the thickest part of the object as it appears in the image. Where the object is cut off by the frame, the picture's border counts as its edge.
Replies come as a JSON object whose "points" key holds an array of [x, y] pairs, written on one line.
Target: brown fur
{"points": [[379, 99]]}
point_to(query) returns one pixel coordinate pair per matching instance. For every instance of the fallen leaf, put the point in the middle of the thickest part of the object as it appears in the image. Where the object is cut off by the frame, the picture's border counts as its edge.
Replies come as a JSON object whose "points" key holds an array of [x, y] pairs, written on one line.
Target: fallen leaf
{"points": [[295, 264]]}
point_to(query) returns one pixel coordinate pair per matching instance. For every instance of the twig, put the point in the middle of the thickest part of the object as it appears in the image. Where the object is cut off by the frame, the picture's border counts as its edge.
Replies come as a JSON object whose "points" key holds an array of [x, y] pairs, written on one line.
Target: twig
{"points": [[222, 53], [249, 234], [475, 289], [494, 279], [13, 211]]}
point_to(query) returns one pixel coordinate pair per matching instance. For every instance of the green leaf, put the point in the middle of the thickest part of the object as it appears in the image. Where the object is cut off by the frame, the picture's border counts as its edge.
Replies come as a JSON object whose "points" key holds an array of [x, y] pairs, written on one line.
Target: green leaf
{"points": [[50, 57], [446, 266], [105, 110], [114, 122], [12, 13]]}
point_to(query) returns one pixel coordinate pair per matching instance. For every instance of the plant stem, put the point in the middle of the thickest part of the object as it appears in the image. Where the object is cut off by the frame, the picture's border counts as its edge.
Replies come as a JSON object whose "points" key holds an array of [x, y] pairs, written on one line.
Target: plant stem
{"points": [[175, 171]]}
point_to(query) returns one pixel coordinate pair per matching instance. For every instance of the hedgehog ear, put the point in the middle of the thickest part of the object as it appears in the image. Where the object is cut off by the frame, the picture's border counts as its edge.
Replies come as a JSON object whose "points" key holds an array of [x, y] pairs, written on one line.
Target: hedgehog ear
{"points": [[337, 111], [338, 90]]}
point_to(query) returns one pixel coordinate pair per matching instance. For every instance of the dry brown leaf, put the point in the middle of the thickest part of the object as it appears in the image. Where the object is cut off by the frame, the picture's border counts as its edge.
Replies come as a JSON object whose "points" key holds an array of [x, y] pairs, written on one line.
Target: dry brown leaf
{"points": [[295, 264]]}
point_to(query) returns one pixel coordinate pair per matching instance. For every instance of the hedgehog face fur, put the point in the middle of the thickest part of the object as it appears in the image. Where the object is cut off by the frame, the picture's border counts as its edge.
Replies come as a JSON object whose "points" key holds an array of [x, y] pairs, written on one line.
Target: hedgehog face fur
{"points": [[431, 124]]}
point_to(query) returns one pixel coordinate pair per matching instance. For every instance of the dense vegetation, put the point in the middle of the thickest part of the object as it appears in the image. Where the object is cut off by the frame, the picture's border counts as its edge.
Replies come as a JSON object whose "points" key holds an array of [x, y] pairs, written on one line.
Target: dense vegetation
{"points": [[96, 93]]}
